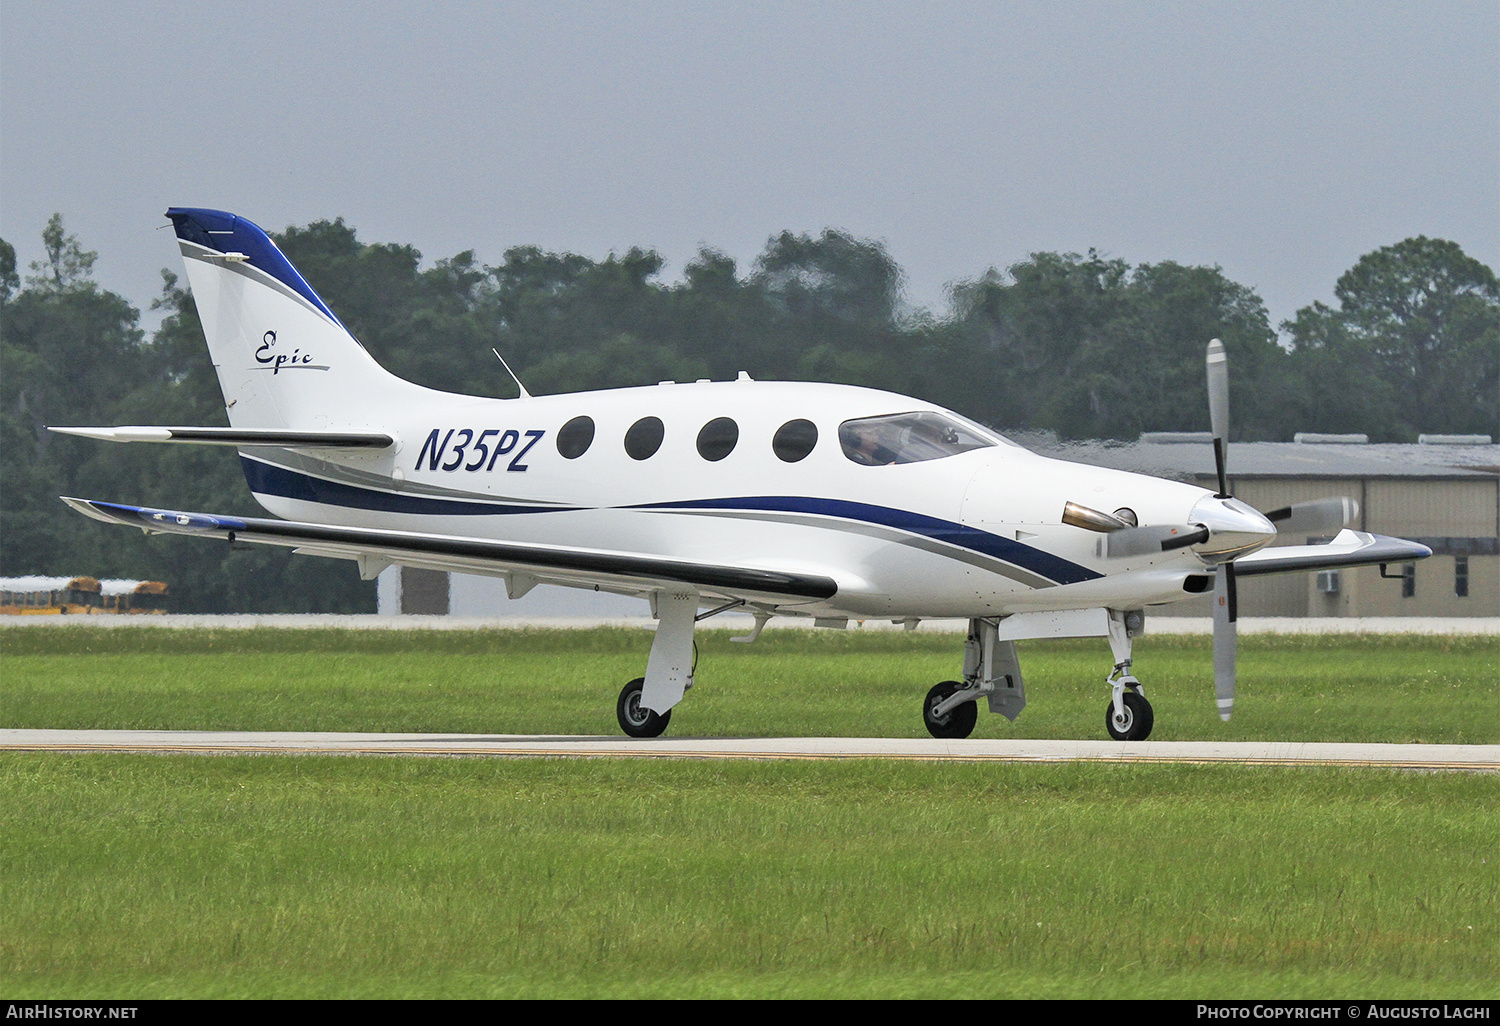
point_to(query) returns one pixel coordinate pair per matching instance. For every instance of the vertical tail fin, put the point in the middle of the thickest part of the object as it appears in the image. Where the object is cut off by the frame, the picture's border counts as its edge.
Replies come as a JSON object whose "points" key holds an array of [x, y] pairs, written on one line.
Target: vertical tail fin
{"points": [[284, 359]]}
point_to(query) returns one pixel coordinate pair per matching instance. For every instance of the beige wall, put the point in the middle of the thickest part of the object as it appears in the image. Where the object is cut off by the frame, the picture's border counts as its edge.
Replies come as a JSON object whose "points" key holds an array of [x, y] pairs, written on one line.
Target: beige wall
{"points": [[1425, 508], [1407, 507], [1371, 596]]}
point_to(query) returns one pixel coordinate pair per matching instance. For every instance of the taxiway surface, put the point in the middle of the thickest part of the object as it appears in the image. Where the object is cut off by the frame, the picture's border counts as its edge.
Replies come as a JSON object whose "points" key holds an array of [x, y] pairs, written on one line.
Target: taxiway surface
{"points": [[1428, 757]]}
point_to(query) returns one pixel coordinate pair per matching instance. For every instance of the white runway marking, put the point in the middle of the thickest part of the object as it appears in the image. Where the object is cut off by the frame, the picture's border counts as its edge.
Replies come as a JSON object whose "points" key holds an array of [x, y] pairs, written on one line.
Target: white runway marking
{"points": [[1451, 757]]}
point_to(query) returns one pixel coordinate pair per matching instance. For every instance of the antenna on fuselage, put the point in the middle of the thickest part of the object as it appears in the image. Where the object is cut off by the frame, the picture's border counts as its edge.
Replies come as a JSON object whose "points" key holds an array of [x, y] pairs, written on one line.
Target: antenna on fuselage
{"points": [[524, 394]]}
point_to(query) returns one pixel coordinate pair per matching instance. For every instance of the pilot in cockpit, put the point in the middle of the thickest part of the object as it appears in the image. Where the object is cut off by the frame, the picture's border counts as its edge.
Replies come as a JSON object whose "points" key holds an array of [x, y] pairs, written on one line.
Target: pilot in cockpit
{"points": [[863, 445]]}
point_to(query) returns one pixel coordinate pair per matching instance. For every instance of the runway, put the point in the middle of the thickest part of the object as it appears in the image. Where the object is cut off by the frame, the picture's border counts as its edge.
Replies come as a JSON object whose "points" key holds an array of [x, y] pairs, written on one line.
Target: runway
{"points": [[1482, 758]]}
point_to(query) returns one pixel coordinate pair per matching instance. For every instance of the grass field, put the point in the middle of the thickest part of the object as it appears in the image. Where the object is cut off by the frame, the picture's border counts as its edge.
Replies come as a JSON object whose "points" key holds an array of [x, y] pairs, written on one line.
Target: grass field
{"points": [[167, 876], [790, 683]]}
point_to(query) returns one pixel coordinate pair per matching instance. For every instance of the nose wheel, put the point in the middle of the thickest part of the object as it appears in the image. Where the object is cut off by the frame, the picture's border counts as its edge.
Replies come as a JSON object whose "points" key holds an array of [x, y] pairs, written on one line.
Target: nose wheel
{"points": [[1132, 721]]}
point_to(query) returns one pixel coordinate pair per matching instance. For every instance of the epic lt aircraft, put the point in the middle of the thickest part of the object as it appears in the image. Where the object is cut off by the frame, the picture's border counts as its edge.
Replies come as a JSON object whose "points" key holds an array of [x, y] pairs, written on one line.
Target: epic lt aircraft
{"points": [[777, 498]]}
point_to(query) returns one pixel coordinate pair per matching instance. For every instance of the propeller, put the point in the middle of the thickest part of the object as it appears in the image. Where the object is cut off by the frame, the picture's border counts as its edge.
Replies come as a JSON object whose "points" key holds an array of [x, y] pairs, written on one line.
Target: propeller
{"points": [[1298, 518], [1122, 538], [1225, 520], [1314, 517], [1226, 599], [1226, 637]]}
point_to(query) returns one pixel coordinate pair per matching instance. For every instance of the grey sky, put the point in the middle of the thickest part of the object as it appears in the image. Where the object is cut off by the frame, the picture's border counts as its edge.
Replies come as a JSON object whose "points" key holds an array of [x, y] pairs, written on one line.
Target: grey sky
{"points": [[1279, 140]]}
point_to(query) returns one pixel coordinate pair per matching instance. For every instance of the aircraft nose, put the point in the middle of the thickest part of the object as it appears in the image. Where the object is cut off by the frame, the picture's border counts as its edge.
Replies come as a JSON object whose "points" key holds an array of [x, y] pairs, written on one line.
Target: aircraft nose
{"points": [[1234, 528]]}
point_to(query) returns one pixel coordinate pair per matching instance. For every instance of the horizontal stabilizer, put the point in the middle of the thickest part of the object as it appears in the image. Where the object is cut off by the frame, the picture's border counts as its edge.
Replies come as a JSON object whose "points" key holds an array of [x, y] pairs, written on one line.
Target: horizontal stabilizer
{"points": [[235, 436], [576, 567], [1348, 548]]}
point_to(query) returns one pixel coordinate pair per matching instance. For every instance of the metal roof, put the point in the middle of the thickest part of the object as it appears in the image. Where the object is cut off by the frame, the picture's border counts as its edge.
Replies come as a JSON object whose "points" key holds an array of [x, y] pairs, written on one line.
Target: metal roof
{"points": [[1190, 460]]}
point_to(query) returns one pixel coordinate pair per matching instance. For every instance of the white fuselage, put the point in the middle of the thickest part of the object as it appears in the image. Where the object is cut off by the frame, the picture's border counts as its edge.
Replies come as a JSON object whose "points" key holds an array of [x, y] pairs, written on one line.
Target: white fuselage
{"points": [[977, 533], [957, 522]]}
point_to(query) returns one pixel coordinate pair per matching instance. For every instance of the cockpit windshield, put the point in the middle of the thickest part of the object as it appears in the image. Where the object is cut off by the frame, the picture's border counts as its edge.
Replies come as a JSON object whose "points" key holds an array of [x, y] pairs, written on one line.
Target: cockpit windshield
{"points": [[908, 438]]}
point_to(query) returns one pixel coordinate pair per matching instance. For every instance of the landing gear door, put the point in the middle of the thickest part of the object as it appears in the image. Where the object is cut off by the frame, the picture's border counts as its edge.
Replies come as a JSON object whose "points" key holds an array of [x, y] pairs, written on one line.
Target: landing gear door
{"points": [[1009, 696], [992, 665]]}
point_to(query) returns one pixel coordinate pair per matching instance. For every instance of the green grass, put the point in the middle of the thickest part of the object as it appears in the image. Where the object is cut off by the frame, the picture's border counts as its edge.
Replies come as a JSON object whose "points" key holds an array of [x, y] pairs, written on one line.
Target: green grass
{"points": [[261, 876], [790, 683]]}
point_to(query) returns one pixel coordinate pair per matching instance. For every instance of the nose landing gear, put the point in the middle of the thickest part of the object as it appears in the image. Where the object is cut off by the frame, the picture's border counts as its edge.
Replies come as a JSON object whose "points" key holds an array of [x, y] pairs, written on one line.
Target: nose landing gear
{"points": [[1128, 717]]}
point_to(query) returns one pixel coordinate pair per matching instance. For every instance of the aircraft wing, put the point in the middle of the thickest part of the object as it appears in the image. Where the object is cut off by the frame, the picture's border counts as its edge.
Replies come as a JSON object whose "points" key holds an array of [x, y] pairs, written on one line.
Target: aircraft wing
{"points": [[551, 564], [234, 436], [1348, 548]]}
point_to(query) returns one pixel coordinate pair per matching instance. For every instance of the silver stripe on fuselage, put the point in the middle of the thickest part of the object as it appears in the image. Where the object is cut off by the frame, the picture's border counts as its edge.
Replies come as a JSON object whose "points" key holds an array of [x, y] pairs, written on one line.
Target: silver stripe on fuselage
{"points": [[975, 559]]}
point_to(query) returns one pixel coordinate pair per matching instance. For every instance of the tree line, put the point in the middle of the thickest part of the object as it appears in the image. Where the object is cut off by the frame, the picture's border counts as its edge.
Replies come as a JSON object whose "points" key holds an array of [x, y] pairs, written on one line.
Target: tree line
{"points": [[1083, 345]]}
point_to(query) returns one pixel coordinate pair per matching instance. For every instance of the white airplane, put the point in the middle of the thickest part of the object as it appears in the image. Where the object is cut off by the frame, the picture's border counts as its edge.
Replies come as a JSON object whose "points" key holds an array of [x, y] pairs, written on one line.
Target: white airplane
{"points": [[820, 501]]}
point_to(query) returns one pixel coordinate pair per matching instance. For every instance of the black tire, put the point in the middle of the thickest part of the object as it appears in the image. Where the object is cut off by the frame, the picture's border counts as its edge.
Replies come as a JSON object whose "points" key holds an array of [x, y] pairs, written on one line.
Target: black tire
{"points": [[959, 722], [1138, 722], [635, 720]]}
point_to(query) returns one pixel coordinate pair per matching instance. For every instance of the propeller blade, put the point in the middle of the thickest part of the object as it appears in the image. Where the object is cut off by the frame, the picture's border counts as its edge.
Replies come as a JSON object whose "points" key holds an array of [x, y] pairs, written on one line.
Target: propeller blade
{"points": [[1226, 640], [1152, 539], [1314, 517], [1182, 541], [1218, 409]]}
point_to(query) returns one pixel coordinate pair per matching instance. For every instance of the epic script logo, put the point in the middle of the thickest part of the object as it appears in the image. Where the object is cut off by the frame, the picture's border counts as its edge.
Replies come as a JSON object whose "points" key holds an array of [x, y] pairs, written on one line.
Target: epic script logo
{"points": [[276, 362]]}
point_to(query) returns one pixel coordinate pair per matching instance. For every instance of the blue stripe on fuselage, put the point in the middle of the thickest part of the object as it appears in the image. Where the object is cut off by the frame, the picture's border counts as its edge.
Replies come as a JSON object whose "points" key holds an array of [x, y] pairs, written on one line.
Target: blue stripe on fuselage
{"points": [[1055, 568], [269, 479]]}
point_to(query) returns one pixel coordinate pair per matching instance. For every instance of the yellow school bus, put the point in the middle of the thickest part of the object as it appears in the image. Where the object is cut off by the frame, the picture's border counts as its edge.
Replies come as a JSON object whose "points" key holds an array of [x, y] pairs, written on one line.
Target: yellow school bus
{"points": [[37, 595]]}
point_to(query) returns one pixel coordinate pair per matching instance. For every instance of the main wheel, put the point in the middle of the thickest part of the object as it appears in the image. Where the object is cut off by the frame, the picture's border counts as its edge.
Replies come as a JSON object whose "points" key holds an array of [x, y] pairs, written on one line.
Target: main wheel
{"points": [[959, 722], [1136, 724], [635, 719]]}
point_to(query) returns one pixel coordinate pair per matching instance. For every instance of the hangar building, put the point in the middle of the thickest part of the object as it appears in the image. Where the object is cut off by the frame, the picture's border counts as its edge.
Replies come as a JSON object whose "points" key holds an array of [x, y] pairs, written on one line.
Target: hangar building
{"points": [[1443, 491]]}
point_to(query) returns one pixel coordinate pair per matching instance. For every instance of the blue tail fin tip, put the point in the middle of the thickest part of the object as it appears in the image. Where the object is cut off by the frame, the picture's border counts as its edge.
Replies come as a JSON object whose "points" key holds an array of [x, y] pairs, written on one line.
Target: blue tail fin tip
{"points": [[223, 232]]}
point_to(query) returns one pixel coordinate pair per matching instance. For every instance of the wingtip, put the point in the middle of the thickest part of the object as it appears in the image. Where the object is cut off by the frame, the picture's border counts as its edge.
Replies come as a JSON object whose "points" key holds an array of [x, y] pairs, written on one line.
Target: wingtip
{"points": [[87, 508], [132, 433]]}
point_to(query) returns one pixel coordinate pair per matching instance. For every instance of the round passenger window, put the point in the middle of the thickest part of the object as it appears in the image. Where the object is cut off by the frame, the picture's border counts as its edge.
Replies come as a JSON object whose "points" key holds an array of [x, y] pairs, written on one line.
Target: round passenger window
{"points": [[575, 437], [794, 440], [718, 438], [644, 438]]}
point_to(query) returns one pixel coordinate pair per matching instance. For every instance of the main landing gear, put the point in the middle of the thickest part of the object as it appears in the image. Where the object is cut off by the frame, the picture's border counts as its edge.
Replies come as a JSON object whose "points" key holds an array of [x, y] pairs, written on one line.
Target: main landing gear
{"points": [[992, 672], [645, 705], [635, 719], [958, 720]]}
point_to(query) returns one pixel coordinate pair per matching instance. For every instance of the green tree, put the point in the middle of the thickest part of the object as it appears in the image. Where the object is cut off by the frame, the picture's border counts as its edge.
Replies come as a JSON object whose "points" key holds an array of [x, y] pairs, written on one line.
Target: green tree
{"points": [[8, 279], [67, 265], [425, 326], [72, 354], [1413, 347], [834, 276], [1091, 347], [68, 349]]}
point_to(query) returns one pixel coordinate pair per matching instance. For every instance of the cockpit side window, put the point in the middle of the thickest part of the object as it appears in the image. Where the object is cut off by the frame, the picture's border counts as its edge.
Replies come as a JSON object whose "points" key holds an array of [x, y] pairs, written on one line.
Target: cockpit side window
{"points": [[907, 438]]}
